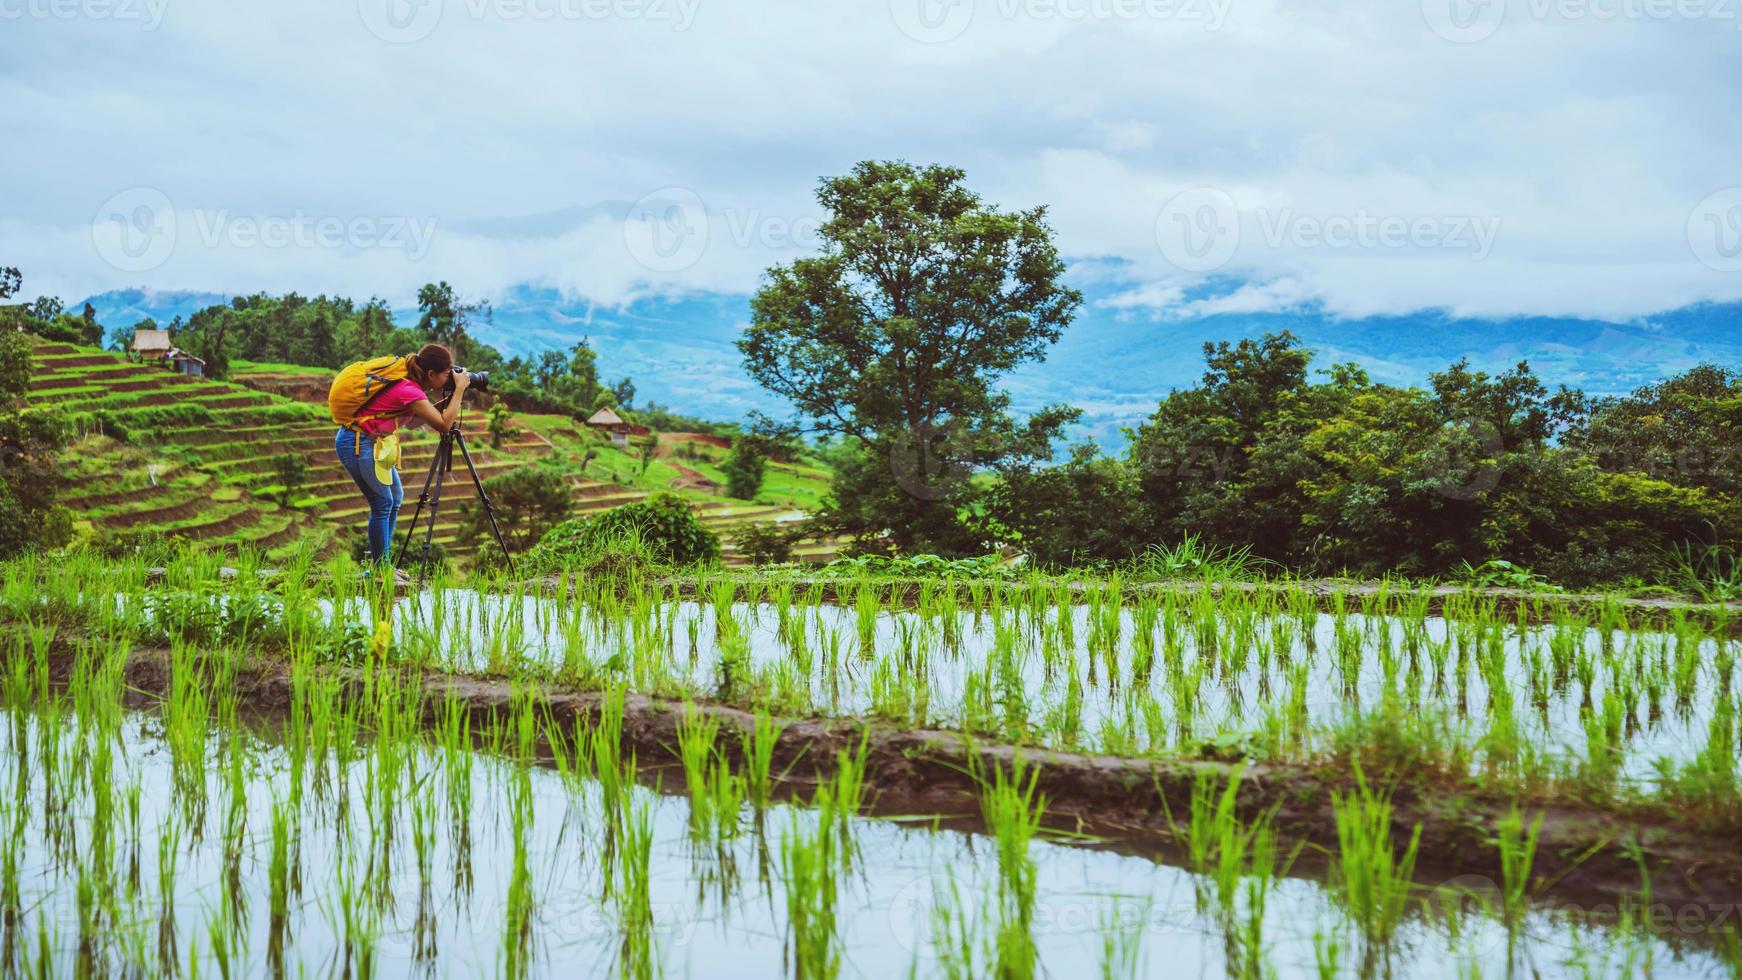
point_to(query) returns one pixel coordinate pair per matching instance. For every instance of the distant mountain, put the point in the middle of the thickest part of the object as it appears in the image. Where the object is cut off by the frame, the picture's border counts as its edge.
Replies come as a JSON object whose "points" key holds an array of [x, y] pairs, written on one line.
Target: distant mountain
{"points": [[1113, 363], [126, 307]]}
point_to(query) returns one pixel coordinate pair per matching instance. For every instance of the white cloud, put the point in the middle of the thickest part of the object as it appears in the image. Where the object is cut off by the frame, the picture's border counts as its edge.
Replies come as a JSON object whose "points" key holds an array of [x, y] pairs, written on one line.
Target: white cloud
{"points": [[525, 139]]}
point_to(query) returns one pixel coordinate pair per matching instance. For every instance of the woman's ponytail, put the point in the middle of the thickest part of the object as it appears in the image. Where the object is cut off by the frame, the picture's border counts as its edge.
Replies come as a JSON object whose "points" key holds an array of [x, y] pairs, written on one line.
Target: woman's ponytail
{"points": [[432, 360]]}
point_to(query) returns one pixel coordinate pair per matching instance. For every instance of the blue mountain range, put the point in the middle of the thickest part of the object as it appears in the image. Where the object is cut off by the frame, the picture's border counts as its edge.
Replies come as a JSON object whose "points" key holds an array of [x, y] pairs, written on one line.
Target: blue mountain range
{"points": [[1114, 363]]}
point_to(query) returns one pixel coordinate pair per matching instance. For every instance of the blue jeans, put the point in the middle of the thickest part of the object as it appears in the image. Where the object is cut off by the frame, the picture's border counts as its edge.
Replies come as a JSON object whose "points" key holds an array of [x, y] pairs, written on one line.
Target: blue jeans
{"points": [[383, 500]]}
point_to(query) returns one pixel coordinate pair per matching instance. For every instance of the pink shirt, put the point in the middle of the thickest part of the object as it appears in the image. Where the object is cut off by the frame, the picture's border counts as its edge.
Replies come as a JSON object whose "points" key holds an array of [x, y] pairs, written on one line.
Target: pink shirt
{"points": [[393, 402]]}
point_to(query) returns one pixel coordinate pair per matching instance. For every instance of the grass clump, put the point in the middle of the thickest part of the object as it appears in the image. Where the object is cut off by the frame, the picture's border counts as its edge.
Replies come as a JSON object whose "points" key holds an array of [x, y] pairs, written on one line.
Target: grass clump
{"points": [[660, 530]]}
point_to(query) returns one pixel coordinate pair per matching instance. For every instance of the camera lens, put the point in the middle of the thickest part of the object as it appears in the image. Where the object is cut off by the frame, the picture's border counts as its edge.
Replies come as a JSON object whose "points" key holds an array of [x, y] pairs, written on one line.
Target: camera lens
{"points": [[481, 380]]}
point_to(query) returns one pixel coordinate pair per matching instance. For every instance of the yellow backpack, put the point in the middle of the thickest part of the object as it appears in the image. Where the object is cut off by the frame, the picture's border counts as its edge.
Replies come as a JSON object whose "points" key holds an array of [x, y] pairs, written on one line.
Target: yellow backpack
{"points": [[359, 383]]}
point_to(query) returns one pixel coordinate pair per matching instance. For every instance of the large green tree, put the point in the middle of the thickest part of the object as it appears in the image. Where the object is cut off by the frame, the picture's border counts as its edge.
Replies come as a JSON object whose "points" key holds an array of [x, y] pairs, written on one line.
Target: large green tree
{"points": [[923, 296]]}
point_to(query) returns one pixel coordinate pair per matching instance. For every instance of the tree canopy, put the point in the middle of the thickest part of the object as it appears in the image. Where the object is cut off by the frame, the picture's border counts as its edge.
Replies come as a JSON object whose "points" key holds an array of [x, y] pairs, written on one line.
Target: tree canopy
{"points": [[895, 335]]}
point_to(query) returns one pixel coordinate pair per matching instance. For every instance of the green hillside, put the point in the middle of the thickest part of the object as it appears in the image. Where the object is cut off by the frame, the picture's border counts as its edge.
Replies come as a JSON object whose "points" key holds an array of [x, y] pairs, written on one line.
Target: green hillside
{"points": [[164, 454]]}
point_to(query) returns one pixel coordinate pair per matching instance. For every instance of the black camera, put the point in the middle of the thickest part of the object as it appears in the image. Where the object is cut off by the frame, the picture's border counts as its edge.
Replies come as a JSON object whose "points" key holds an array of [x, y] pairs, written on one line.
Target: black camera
{"points": [[480, 379]]}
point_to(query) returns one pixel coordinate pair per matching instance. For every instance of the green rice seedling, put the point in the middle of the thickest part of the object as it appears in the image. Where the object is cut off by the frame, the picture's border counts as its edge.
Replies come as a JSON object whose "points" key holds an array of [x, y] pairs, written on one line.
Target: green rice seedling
{"points": [[518, 910], [845, 796], [1122, 926], [807, 862], [1729, 948], [606, 746], [1517, 853], [696, 736], [361, 926], [1328, 952], [278, 876], [1372, 878], [960, 948], [1013, 809], [167, 857], [457, 764], [639, 953], [758, 754]]}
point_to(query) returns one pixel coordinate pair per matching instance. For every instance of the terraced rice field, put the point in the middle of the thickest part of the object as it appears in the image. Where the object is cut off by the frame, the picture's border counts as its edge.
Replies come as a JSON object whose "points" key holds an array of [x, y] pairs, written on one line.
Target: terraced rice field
{"points": [[224, 773], [214, 483]]}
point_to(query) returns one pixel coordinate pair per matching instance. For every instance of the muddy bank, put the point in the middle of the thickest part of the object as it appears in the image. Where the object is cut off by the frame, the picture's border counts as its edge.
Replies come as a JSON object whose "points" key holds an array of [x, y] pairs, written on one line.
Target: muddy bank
{"points": [[1587, 858]]}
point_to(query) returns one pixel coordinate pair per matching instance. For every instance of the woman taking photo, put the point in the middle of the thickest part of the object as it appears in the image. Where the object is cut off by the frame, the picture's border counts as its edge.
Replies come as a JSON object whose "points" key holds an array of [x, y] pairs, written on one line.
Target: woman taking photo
{"points": [[371, 401]]}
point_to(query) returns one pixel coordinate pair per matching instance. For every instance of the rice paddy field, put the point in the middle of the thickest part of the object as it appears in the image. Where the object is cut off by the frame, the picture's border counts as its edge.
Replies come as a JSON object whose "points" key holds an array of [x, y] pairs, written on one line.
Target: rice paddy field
{"points": [[207, 475], [214, 771]]}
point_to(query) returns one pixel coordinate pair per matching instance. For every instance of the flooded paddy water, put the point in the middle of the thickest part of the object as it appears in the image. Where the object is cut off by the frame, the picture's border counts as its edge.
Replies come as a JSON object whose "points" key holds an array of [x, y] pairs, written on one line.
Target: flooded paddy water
{"points": [[343, 827]]}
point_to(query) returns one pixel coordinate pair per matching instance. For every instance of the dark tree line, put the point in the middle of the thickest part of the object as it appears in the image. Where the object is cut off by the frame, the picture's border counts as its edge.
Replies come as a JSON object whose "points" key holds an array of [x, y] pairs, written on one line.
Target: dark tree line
{"points": [[330, 332]]}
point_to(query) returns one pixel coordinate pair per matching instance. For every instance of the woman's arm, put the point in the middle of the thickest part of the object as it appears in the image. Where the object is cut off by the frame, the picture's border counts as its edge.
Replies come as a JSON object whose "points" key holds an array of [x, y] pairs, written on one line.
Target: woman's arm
{"points": [[442, 421]]}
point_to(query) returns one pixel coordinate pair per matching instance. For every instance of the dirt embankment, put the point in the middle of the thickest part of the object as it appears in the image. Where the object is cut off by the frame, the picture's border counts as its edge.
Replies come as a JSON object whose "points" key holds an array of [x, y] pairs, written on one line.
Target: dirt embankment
{"points": [[1585, 855]]}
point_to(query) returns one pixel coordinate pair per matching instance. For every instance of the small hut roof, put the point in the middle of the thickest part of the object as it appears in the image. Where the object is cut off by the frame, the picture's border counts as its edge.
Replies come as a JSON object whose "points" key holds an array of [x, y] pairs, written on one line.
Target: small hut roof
{"points": [[605, 417], [151, 340]]}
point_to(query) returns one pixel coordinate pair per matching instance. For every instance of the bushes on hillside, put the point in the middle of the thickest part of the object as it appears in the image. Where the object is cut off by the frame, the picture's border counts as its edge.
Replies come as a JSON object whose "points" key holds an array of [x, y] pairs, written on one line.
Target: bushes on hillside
{"points": [[29, 476], [529, 501], [1349, 475], [743, 468], [663, 527], [1084, 510], [768, 543]]}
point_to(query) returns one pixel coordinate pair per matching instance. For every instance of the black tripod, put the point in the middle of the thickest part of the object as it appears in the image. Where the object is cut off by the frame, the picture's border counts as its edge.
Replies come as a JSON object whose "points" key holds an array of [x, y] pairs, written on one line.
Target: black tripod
{"points": [[439, 467]]}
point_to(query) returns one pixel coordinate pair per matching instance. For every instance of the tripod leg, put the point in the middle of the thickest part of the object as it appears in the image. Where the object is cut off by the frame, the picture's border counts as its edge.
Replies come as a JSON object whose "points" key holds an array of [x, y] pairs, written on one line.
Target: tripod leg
{"points": [[484, 498], [444, 462], [422, 499]]}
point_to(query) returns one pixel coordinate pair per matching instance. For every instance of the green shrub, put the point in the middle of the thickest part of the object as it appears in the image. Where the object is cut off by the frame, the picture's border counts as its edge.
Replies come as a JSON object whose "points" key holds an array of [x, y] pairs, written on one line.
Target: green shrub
{"points": [[291, 469], [744, 468], [529, 501], [662, 527], [768, 543], [150, 545]]}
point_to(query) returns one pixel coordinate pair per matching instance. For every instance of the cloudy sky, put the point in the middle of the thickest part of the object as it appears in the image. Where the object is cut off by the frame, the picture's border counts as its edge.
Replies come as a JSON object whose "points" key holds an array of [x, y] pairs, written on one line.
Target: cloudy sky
{"points": [[1533, 157]]}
